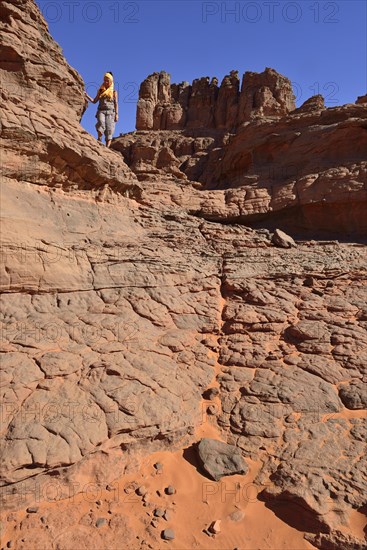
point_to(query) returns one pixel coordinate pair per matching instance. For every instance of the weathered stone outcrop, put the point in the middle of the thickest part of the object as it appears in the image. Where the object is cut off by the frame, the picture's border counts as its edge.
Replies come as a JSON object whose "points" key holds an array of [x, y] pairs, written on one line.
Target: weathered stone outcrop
{"points": [[335, 541], [258, 158], [265, 94], [312, 105], [306, 170], [285, 363], [122, 302], [204, 104], [219, 459], [361, 99], [42, 102]]}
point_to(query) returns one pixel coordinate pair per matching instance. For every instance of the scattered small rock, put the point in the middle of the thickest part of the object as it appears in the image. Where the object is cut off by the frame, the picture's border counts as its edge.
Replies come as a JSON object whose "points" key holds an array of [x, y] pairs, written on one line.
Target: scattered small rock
{"points": [[212, 410], [214, 527], [154, 523], [237, 515], [9, 544], [167, 515], [170, 490], [159, 512], [211, 393], [100, 522], [282, 240], [317, 292], [98, 502], [32, 509], [158, 466], [141, 491], [131, 487], [168, 534], [43, 519], [309, 281]]}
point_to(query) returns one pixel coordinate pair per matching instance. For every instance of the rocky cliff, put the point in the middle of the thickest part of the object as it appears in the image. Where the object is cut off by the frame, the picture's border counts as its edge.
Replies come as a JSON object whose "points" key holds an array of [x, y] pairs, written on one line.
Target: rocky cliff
{"points": [[42, 103], [256, 157], [204, 104], [141, 312]]}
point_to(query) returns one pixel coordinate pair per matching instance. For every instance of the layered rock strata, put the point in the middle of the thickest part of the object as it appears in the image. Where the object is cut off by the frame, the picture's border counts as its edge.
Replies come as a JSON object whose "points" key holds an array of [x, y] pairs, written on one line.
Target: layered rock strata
{"points": [[306, 170], [42, 103], [204, 104], [257, 157]]}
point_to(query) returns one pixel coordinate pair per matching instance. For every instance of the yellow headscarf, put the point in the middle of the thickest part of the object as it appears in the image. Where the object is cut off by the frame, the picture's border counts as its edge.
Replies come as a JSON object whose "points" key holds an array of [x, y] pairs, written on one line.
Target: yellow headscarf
{"points": [[107, 92]]}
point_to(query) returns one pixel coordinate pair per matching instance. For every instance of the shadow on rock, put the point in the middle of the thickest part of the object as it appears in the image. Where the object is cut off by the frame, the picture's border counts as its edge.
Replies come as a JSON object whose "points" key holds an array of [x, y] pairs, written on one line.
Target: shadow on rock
{"points": [[190, 454], [295, 515]]}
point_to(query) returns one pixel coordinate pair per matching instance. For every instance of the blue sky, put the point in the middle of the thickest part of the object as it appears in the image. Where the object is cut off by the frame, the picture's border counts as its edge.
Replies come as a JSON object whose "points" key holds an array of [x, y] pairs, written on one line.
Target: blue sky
{"points": [[319, 45]]}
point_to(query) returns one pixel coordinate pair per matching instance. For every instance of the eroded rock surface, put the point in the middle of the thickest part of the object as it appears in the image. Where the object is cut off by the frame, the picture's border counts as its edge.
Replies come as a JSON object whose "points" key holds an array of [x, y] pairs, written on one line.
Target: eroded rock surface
{"points": [[204, 104], [42, 102], [335, 541], [219, 459], [304, 168]]}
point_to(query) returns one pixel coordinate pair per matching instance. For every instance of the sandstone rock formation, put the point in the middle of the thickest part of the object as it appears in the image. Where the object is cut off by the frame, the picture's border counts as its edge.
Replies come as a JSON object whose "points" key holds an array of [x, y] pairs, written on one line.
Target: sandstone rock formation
{"points": [[123, 301], [204, 104], [42, 102], [219, 459], [362, 99], [305, 168], [314, 103]]}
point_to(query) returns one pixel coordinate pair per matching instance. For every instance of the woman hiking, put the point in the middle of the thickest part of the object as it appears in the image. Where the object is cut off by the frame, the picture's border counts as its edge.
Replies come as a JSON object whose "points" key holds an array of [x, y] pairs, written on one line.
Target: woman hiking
{"points": [[107, 112]]}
